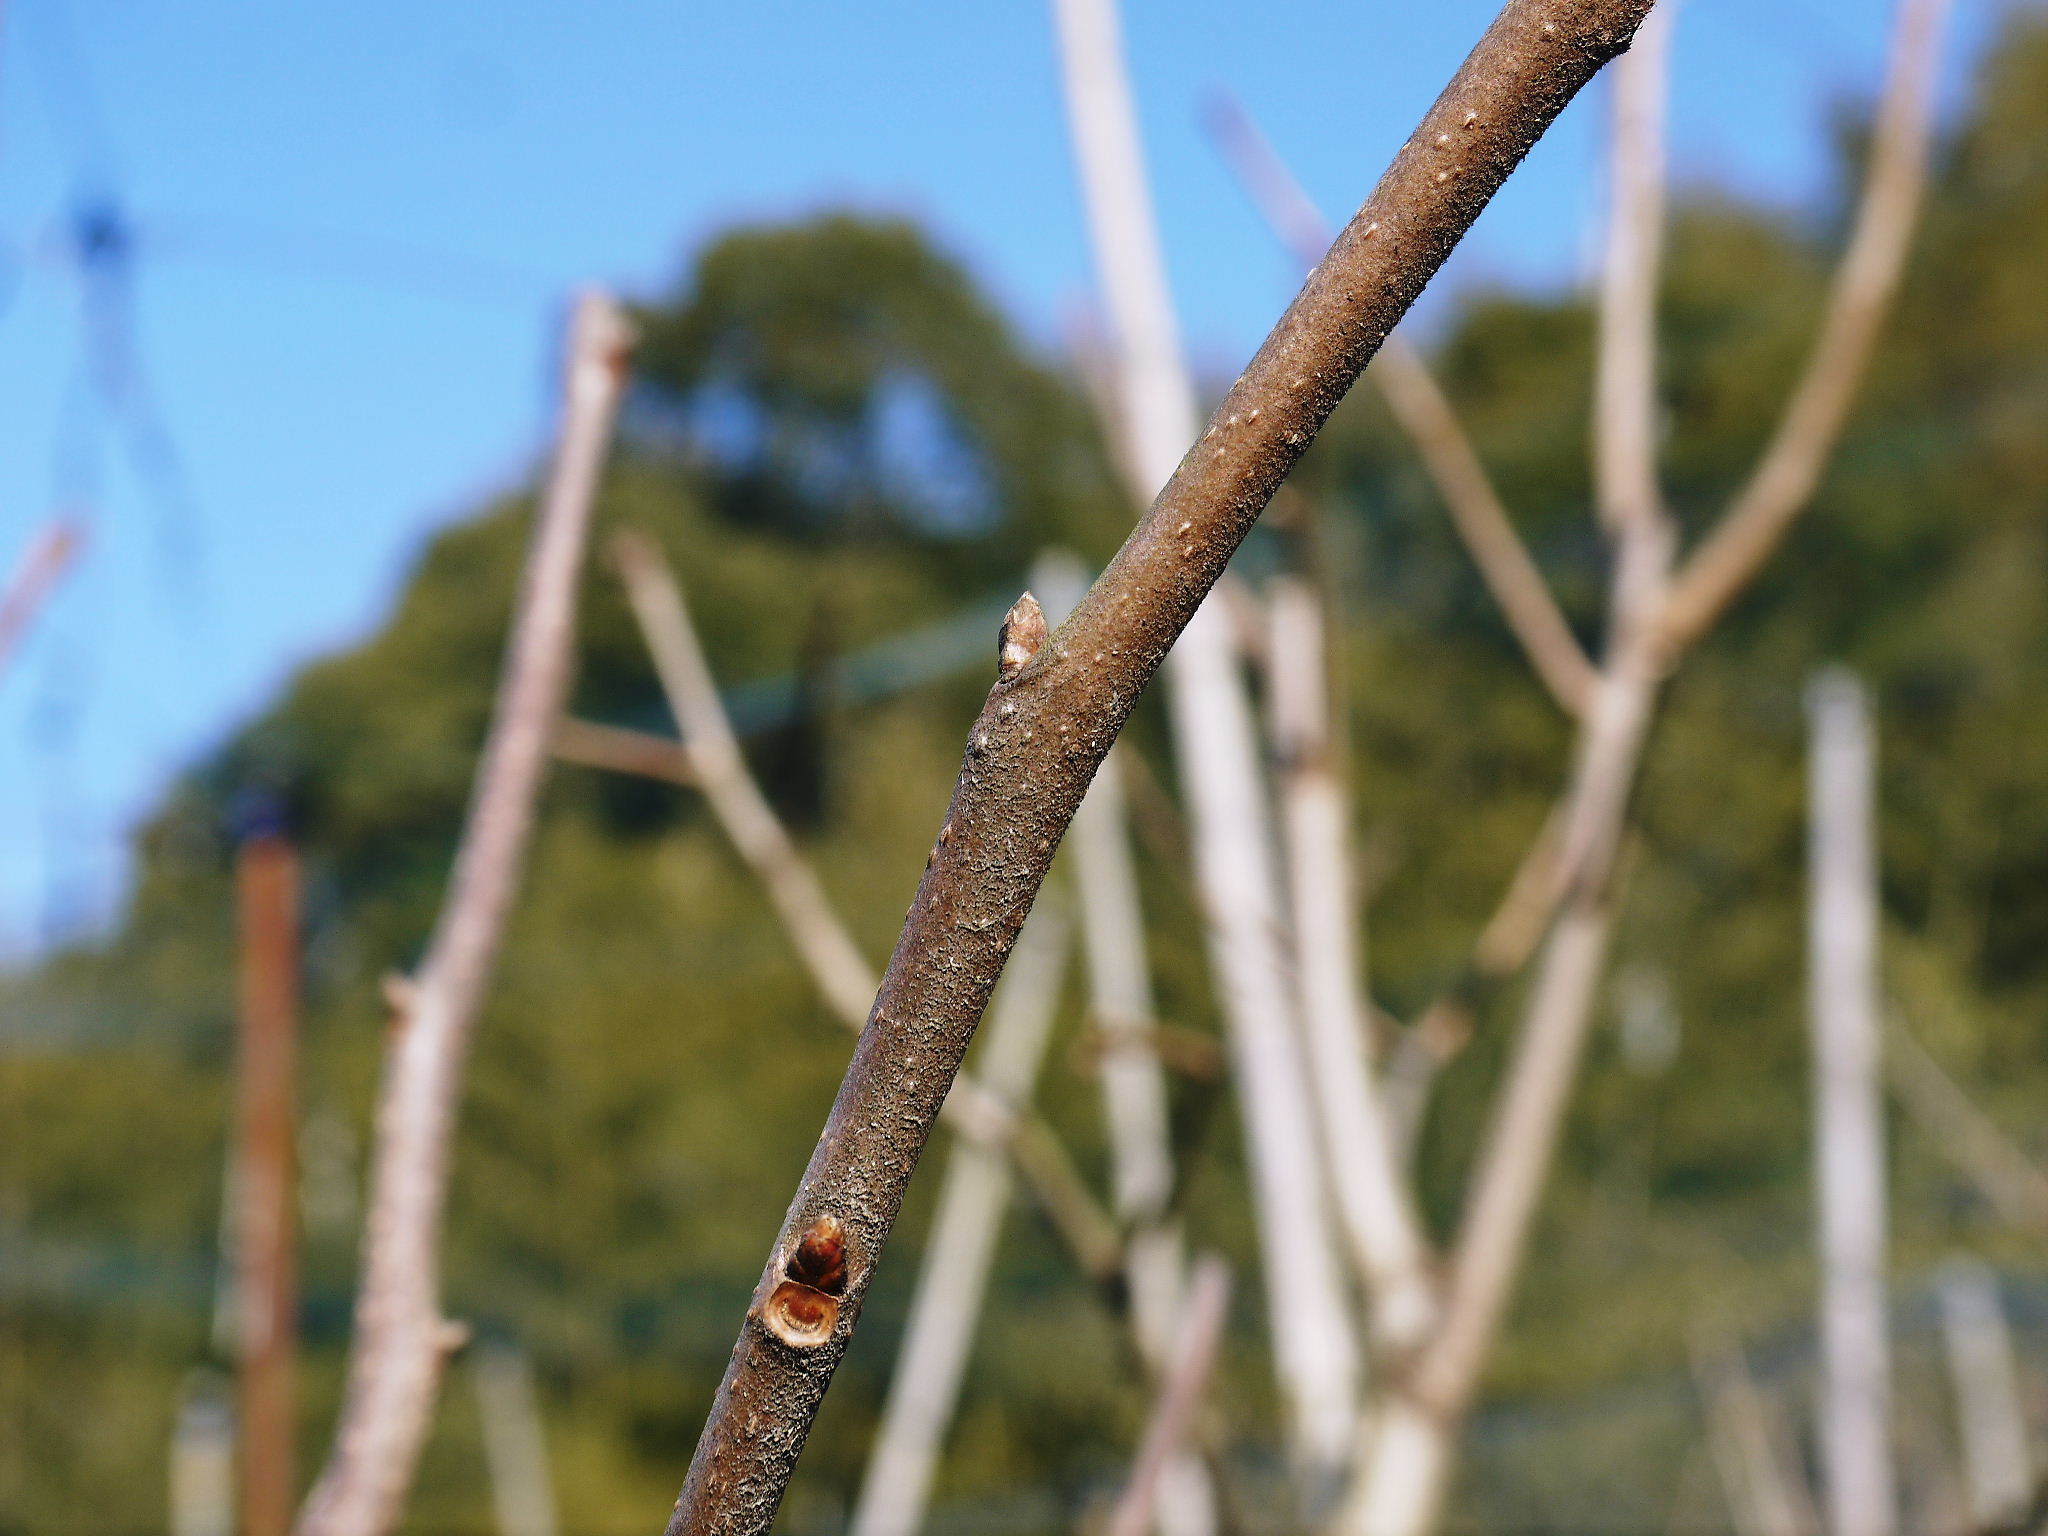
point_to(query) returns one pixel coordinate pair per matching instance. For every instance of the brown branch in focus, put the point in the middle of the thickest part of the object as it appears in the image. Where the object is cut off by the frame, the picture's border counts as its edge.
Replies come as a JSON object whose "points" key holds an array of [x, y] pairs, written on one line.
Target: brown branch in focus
{"points": [[1045, 729], [400, 1336], [1858, 302], [1420, 409]]}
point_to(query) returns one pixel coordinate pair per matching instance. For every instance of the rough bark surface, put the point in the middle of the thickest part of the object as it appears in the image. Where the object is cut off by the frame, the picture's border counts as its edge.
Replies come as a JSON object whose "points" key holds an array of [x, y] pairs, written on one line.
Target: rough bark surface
{"points": [[1045, 729]]}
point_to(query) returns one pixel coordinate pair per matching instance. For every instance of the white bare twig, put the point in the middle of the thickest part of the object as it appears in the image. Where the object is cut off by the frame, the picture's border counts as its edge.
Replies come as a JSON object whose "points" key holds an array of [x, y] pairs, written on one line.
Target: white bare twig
{"points": [[1315, 1349], [1858, 302], [1386, 1238], [401, 1338], [1421, 410], [1858, 1481]]}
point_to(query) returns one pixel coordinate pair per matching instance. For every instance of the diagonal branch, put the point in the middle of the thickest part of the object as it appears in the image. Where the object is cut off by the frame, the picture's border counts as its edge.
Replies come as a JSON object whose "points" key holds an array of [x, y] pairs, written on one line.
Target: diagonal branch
{"points": [[2010, 1180], [1420, 409], [1858, 302], [1180, 1396], [1057, 706], [400, 1336], [34, 577]]}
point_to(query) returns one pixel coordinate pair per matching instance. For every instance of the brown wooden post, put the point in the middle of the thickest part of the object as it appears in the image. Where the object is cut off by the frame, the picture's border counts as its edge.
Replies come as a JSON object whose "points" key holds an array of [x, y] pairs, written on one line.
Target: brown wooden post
{"points": [[266, 1259]]}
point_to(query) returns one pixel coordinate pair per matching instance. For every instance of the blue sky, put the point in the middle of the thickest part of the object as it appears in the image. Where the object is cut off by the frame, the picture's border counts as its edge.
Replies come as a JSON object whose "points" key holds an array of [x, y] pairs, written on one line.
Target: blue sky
{"points": [[355, 226]]}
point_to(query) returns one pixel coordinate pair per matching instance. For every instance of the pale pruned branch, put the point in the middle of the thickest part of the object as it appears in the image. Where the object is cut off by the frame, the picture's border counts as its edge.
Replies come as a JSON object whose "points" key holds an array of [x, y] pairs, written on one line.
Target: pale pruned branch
{"points": [[1388, 1247], [1128, 1066], [1984, 1377], [1210, 712], [35, 576], [515, 1441], [842, 973], [1421, 410], [1859, 300], [1858, 1480], [1625, 410], [2013, 1183], [1409, 1443], [823, 942], [1180, 1396], [1050, 720], [401, 1337], [620, 749]]}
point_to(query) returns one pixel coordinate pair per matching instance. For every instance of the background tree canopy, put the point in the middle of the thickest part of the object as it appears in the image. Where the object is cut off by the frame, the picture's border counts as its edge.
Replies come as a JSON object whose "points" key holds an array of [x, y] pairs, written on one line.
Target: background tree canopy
{"points": [[842, 443]]}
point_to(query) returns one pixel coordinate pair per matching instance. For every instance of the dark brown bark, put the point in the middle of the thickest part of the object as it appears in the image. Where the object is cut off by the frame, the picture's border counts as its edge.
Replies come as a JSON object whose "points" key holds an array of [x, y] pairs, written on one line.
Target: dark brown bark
{"points": [[1049, 722]]}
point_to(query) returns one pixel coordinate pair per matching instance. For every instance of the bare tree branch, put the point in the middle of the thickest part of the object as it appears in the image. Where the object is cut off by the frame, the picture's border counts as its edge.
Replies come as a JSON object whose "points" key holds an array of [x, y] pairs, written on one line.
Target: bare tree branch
{"points": [[401, 1338], [1388, 1247], [1180, 1397], [1765, 1498], [1049, 722], [828, 951], [1857, 1477], [2014, 1184], [1409, 1443], [34, 577], [618, 749], [1419, 408], [1209, 708], [1133, 1082], [1858, 303]]}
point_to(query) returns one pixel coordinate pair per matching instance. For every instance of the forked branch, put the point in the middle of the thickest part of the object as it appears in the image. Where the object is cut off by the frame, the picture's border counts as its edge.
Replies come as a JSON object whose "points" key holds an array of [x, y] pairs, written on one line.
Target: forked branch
{"points": [[401, 1338]]}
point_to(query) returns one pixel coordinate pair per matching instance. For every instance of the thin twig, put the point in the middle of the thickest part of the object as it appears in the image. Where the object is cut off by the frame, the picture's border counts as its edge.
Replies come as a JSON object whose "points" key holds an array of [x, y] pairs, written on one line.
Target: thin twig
{"points": [[1421, 410], [1237, 881], [620, 749], [41, 567], [2015, 1185], [1180, 1397], [1858, 302], [1050, 719], [401, 1338]]}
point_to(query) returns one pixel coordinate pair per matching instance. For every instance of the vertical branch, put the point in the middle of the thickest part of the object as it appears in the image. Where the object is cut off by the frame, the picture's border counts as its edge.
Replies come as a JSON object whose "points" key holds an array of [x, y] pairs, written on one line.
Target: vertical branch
{"points": [[1386, 1239], [1056, 708], [1848, 1115], [2008, 1179], [952, 1284], [1985, 1377], [401, 1338], [1180, 1397], [1133, 1083], [1858, 302], [266, 1237], [201, 1491], [1313, 1343], [515, 1441]]}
